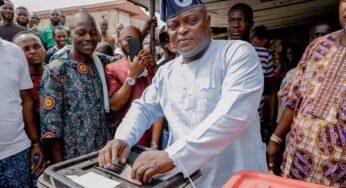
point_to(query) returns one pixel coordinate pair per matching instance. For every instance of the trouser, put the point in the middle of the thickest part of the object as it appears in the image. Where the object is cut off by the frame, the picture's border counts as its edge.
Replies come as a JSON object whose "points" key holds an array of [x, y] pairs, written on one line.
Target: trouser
{"points": [[15, 170]]}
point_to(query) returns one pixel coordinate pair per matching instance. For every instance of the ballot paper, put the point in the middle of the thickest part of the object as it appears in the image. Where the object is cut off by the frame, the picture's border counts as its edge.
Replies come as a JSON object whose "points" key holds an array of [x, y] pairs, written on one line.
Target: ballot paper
{"points": [[92, 180]]}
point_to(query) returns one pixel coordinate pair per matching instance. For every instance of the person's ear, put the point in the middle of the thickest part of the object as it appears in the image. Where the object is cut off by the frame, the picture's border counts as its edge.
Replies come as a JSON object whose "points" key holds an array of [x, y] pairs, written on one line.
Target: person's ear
{"points": [[208, 20]]}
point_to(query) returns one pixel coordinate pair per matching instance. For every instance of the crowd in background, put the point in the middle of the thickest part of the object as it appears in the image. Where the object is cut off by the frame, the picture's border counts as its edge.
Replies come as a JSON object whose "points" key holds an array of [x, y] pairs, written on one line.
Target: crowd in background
{"points": [[80, 83]]}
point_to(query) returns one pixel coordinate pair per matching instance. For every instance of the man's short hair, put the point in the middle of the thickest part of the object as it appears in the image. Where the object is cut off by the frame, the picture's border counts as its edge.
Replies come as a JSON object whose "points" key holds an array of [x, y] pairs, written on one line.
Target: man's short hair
{"points": [[57, 28], [247, 10], [26, 32], [22, 8]]}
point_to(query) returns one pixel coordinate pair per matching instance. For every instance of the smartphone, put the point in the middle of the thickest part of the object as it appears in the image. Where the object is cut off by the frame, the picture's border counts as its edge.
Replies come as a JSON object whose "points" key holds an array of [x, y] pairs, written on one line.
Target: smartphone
{"points": [[134, 47]]}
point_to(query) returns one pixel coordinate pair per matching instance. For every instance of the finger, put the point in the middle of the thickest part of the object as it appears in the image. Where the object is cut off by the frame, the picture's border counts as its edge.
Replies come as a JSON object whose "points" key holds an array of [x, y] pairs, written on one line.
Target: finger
{"points": [[102, 155], [108, 158], [32, 162], [39, 163], [138, 163], [148, 174], [44, 165], [125, 154], [34, 167], [271, 162], [101, 158], [114, 152], [140, 172], [140, 160]]}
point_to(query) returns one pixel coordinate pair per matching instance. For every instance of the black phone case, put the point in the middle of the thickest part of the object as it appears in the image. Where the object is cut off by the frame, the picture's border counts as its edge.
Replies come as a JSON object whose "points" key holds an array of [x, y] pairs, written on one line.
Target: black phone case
{"points": [[134, 47]]}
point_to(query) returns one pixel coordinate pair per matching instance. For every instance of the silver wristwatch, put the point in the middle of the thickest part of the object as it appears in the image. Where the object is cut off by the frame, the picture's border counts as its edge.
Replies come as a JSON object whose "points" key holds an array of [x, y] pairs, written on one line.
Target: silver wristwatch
{"points": [[131, 81]]}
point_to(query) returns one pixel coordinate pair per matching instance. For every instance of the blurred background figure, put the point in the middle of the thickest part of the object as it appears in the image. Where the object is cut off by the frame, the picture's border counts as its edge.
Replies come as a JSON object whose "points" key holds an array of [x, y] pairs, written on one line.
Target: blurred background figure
{"points": [[60, 38], [62, 18], [8, 28], [319, 29], [34, 21], [260, 36], [105, 37], [22, 16], [168, 50], [104, 48], [119, 27]]}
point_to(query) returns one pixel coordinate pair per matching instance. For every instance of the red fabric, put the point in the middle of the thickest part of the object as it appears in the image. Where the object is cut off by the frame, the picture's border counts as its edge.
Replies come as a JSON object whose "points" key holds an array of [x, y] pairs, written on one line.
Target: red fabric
{"points": [[36, 79], [116, 75]]}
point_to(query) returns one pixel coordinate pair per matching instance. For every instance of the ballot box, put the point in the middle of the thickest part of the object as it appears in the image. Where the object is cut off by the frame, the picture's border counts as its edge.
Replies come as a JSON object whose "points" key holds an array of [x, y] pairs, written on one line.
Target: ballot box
{"points": [[251, 179], [84, 171]]}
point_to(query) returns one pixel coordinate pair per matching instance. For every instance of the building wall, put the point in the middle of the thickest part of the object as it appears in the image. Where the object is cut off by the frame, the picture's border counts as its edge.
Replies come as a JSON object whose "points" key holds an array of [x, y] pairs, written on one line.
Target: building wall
{"points": [[114, 17]]}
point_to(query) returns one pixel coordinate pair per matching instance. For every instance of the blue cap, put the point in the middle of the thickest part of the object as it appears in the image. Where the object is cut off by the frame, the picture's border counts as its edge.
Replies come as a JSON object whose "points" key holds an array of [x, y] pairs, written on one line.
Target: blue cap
{"points": [[172, 8]]}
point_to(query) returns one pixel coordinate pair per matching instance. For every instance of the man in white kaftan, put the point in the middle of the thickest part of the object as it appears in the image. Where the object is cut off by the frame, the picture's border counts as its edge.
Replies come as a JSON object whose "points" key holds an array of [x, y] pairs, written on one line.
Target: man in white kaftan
{"points": [[211, 107]]}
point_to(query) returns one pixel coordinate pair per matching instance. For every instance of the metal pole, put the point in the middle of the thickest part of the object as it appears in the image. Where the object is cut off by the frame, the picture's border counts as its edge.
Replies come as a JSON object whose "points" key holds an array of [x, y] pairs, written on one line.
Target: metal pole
{"points": [[152, 28]]}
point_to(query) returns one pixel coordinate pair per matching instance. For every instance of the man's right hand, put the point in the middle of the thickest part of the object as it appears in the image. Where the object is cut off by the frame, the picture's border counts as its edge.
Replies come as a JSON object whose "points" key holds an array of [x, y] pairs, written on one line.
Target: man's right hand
{"points": [[136, 67], [112, 151]]}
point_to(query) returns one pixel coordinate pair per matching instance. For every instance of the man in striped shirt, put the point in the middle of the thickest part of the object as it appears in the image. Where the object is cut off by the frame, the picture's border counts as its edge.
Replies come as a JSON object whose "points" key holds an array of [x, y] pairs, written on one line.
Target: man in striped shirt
{"points": [[240, 22]]}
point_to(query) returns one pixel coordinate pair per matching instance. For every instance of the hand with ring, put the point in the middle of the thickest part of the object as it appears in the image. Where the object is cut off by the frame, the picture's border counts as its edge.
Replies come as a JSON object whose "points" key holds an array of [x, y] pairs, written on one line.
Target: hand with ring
{"points": [[150, 163]]}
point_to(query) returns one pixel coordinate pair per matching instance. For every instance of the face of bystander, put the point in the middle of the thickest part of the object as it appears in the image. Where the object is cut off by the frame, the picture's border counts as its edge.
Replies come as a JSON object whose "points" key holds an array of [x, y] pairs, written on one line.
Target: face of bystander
{"points": [[7, 11], [54, 17], [22, 17], [34, 19], [104, 26], [84, 34], [32, 48], [60, 37], [126, 34], [238, 25]]}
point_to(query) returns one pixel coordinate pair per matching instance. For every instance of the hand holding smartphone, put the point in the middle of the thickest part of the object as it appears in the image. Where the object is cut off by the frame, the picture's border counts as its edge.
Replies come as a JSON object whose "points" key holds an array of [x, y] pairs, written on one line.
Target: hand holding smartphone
{"points": [[135, 47]]}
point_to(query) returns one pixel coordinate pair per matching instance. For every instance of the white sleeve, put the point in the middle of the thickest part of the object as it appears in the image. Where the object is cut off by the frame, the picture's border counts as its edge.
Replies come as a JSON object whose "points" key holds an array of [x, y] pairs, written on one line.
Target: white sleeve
{"points": [[142, 114], [235, 111], [24, 76]]}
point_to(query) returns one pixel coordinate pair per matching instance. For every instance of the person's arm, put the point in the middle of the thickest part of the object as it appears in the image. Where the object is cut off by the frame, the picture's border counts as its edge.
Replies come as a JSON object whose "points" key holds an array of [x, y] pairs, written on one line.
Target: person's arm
{"points": [[290, 95], [241, 93], [285, 123], [146, 29], [120, 98], [141, 115], [270, 108], [156, 133], [32, 130], [28, 115], [28, 110], [51, 110], [235, 111]]}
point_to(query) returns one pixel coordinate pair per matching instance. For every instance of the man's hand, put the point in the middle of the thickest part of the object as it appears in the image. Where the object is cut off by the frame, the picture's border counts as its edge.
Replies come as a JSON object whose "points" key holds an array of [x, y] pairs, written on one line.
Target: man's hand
{"points": [[41, 164], [272, 150], [150, 163], [142, 60], [137, 66], [112, 151], [148, 23]]}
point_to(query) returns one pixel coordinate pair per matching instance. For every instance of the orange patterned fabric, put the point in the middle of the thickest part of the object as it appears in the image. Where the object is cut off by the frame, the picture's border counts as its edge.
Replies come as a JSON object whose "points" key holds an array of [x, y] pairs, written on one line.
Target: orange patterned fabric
{"points": [[316, 149]]}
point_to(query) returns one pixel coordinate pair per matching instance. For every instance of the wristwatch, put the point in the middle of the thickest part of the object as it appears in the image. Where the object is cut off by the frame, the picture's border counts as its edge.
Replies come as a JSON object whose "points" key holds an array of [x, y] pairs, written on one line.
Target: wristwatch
{"points": [[131, 81]]}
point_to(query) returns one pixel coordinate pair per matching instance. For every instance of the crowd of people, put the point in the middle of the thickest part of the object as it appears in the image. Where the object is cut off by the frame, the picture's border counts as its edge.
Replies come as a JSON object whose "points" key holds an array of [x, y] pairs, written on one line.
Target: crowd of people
{"points": [[221, 106]]}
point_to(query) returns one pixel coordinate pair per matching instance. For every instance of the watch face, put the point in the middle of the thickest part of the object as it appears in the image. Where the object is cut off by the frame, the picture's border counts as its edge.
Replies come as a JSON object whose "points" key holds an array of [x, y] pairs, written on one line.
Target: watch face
{"points": [[131, 81]]}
